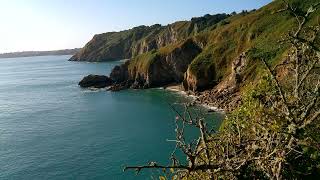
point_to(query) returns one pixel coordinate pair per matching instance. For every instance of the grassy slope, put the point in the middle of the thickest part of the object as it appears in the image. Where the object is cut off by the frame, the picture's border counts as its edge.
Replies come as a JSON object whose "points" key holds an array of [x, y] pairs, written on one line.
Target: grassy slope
{"points": [[256, 33]]}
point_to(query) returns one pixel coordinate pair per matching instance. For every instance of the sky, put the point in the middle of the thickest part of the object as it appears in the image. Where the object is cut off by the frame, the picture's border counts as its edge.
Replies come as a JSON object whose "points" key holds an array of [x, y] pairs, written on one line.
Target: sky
{"points": [[36, 25]]}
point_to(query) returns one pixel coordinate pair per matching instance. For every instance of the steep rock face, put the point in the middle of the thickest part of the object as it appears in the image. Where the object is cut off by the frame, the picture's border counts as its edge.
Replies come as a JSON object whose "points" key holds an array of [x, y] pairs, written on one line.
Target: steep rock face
{"points": [[176, 32], [201, 73], [120, 73], [157, 68], [170, 68], [201, 80], [113, 45], [157, 40], [130, 43]]}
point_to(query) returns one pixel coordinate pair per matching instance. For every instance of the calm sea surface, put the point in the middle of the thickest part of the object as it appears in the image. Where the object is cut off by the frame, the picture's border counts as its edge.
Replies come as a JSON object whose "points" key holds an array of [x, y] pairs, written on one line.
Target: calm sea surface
{"points": [[52, 129]]}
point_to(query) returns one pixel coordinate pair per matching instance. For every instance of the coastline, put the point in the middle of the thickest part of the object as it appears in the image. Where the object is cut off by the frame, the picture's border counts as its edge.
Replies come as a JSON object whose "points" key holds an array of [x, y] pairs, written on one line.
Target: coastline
{"points": [[195, 98]]}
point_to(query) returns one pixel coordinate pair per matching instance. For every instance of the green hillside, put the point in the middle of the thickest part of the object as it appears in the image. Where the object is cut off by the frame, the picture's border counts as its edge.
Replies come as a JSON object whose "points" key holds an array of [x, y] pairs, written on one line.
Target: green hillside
{"points": [[254, 33]]}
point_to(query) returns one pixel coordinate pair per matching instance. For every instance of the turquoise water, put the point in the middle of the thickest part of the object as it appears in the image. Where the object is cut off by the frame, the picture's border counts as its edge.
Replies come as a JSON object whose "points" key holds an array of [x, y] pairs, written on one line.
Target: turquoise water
{"points": [[52, 129]]}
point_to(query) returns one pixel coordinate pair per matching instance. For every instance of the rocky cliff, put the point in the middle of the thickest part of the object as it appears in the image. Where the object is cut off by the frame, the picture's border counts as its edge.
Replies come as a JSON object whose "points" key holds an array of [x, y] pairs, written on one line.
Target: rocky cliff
{"points": [[157, 68], [213, 56], [130, 43]]}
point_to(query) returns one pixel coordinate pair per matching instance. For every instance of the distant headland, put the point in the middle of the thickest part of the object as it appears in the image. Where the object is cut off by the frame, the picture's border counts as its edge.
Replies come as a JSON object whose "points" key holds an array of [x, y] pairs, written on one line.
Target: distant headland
{"points": [[40, 53]]}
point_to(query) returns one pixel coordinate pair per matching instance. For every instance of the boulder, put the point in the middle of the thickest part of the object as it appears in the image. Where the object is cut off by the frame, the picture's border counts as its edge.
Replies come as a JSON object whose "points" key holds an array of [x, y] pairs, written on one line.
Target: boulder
{"points": [[96, 81]]}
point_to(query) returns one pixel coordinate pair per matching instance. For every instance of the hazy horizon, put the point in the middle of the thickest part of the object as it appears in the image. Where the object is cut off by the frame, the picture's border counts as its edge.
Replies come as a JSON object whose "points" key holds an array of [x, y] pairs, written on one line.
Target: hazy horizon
{"points": [[36, 25]]}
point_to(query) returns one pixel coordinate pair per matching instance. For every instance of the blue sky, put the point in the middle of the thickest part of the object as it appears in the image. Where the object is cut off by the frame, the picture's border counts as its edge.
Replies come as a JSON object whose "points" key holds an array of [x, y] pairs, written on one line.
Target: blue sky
{"points": [[60, 24]]}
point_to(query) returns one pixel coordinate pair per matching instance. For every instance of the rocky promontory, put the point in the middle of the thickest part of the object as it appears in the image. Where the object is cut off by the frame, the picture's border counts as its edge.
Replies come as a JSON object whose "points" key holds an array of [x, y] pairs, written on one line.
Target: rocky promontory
{"points": [[214, 57], [156, 69]]}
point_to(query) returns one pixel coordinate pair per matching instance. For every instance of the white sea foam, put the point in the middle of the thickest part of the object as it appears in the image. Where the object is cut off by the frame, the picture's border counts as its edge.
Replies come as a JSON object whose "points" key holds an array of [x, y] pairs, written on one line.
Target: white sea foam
{"points": [[194, 97]]}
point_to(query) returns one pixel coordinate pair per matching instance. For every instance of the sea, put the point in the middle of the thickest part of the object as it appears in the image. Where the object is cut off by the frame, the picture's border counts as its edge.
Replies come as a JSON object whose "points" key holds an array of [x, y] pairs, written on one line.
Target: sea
{"points": [[50, 128]]}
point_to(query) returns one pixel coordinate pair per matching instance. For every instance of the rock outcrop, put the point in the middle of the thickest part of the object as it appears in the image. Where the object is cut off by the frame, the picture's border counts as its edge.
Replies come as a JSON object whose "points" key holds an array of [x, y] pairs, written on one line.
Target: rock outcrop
{"points": [[199, 80], [157, 69], [120, 73], [95, 81]]}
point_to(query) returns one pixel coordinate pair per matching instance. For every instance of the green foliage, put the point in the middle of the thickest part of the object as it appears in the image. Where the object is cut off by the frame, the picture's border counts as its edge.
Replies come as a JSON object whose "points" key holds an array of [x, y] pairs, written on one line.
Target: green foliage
{"points": [[259, 54], [254, 102], [257, 111], [224, 22], [201, 64], [142, 62]]}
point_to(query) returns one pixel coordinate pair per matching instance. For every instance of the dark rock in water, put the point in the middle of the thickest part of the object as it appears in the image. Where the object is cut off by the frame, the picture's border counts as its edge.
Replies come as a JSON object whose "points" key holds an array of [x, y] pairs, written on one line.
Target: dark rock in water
{"points": [[96, 81], [119, 86]]}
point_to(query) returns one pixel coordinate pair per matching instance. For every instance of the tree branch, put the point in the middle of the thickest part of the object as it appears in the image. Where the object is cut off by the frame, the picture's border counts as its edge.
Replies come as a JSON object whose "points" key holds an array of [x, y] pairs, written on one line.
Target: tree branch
{"points": [[313, 118], [288, 113], [308, 109]]}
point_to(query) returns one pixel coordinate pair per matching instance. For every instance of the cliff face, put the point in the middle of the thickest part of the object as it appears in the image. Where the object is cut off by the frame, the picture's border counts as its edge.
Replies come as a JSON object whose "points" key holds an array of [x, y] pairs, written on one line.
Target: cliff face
{"points": [[212, 56], [113, 45], [130, 43], [156, 69]]}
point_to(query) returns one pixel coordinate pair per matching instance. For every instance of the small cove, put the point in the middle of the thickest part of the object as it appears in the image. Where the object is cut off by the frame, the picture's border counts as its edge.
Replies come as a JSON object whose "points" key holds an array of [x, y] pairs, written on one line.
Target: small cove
{"points": [[52, 129]]}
